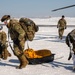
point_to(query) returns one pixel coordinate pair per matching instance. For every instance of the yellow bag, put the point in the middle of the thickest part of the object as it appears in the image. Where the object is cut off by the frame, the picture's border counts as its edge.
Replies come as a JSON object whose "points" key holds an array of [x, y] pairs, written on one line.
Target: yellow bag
{"points": [[30, 53]]}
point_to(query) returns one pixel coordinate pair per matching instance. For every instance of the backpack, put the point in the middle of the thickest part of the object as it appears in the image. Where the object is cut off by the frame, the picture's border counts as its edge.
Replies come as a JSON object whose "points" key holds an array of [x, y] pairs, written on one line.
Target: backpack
{"points": [[29, 27]]}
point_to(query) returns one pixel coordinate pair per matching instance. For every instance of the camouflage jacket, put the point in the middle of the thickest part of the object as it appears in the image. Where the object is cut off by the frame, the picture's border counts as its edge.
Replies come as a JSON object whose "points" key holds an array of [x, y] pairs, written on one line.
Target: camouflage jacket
{"points": [[3, 37], [15, 30], [61, 23]]}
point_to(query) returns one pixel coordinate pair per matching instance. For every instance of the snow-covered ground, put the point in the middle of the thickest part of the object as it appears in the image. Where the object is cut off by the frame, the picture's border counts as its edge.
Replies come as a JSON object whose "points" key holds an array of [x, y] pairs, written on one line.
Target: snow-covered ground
{"points": [[53, 20], [45, 38]]}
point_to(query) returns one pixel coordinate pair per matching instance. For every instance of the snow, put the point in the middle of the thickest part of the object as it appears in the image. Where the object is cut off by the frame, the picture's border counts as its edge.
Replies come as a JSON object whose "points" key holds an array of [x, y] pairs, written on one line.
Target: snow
{"points": [[53, 20], [50, 21], [45, 38]]}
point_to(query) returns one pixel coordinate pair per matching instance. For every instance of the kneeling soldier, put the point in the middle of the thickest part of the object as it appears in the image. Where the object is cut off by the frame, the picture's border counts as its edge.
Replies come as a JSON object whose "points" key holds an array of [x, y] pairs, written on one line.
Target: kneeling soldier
{"points": [[3, 46]]}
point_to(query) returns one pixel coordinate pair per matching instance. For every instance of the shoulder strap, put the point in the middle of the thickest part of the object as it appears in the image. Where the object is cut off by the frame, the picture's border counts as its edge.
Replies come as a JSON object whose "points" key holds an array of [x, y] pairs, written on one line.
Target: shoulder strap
{"points": [[9, 42]]}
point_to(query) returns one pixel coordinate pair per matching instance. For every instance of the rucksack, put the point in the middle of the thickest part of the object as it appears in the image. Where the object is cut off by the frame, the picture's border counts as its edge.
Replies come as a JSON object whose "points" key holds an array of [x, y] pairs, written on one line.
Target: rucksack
{"points": [[29, 27]]}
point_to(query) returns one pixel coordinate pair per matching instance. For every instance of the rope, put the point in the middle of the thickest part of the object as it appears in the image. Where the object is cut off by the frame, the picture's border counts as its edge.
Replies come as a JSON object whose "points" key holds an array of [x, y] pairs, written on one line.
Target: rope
{"points": [[27, 44], [9, 42]]}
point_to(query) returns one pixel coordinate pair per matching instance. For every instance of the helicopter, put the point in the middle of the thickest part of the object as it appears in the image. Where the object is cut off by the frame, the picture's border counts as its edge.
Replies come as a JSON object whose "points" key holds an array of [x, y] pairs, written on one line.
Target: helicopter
{"points": [[63, 8]]}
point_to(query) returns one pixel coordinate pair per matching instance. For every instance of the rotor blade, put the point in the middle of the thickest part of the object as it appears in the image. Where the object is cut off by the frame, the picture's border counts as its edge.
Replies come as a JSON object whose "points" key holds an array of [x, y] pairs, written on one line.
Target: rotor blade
{"points": [[63, 8]]}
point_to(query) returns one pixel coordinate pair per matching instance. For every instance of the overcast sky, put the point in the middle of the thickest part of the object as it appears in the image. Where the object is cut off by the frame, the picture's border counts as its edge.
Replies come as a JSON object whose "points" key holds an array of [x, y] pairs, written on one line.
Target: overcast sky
{"points": [[36, 8]]}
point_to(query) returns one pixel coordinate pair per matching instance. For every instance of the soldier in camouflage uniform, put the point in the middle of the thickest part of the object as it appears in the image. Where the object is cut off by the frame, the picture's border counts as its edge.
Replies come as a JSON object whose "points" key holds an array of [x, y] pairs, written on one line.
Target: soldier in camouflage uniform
{"points": [[3, 45], [70, 41], [17, 35], [61, 26]]}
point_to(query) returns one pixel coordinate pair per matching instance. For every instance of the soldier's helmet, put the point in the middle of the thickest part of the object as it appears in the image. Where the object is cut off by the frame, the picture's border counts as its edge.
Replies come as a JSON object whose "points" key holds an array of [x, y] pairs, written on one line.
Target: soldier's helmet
{"points": [[1, 27], [5, 17]]}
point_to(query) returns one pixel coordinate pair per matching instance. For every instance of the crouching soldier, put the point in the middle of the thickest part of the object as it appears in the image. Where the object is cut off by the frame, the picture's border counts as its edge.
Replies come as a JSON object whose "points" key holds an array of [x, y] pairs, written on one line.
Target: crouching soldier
{"points": [[3, 46], [70, 41], [17, 35]]}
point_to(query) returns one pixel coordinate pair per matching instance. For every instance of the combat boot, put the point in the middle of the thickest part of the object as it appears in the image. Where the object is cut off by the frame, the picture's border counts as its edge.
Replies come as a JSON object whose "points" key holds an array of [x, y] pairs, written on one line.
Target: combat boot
{"points": [[60, 37], [23, 62]]}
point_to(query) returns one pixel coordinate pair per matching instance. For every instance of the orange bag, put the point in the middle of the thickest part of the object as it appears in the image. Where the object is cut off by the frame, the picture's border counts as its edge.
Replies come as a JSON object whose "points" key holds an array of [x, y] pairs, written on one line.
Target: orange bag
{"points": [[30, 53]]}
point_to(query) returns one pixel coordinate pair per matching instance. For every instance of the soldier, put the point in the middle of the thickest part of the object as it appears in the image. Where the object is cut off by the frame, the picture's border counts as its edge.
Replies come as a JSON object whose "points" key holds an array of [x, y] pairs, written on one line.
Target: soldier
{"points": [[3, 46], [17, 35], [61, 25], [70, 41]]}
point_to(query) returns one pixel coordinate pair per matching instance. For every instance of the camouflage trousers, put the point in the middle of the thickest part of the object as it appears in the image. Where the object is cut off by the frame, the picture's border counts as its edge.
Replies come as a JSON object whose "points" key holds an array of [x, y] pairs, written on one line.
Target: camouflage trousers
{"points": [[60, 32], [18, 51], [73, 58], [73, 43], [4, 53]]}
